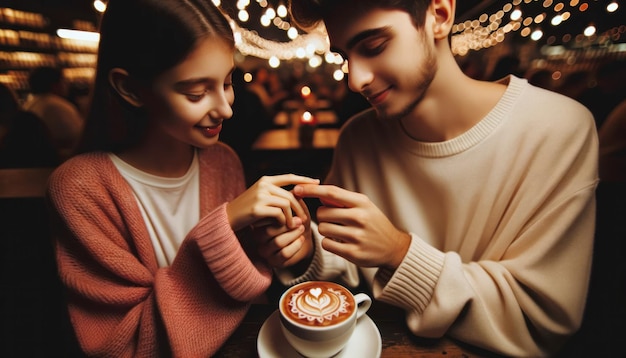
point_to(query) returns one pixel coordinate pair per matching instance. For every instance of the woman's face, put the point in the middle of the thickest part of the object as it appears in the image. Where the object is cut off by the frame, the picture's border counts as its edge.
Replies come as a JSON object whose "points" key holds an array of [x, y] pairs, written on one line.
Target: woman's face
{"points": [[188, 103]]}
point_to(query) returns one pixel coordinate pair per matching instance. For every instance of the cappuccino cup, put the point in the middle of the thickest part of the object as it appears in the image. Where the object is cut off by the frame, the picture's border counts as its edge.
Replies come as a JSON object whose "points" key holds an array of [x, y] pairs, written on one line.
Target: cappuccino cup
{"points": [[318, 317]]}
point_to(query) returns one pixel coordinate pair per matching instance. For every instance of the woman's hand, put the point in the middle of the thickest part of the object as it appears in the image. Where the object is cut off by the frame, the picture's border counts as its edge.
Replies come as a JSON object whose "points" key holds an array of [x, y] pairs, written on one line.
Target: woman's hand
{"points": [[266, 202], [355, 229], [283, 247]]}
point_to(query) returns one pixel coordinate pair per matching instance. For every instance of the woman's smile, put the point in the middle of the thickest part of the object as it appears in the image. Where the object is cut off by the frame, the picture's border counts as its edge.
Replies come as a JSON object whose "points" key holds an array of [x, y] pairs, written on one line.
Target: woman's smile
{"points": [[210, 131]]}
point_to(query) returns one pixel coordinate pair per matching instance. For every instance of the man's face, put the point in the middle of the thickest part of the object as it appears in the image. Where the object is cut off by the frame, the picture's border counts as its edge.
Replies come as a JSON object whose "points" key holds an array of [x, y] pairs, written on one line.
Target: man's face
{"points": [[390, 62]]}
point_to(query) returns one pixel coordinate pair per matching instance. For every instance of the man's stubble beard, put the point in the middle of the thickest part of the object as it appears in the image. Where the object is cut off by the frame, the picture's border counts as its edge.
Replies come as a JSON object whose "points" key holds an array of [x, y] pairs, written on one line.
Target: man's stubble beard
{"points": [[427, 74]]}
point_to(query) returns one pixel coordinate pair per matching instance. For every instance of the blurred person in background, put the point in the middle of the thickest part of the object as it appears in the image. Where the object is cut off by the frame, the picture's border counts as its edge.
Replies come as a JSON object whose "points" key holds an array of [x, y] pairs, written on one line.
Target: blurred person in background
{"points": [[505, 66], [25, 142], [541, 78], [250, 119], [609, 90], [574, 84], [48, 101], [473, 67], [608, 286], [78, 94], [612, 136], [268, 86]]}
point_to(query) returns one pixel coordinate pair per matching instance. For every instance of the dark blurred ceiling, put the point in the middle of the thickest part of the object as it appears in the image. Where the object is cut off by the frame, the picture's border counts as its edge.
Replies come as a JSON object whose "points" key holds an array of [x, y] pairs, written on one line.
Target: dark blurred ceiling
{"points": [[61, 12]]}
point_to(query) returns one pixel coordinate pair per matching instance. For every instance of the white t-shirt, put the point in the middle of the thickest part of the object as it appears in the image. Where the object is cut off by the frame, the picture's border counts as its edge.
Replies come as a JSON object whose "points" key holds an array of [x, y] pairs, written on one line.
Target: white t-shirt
{"points": [[170, 206]]}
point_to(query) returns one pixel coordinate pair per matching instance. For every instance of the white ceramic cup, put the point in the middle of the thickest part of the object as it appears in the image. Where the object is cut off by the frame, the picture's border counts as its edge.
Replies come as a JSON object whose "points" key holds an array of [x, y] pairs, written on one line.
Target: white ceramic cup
{"points": [[318, 317]]}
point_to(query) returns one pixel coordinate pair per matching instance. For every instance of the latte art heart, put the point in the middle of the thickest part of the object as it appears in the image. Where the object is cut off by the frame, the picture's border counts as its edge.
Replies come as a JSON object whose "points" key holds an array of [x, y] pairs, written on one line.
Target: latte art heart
{"points": [[316, 291], [317, 304], [320, 303]]}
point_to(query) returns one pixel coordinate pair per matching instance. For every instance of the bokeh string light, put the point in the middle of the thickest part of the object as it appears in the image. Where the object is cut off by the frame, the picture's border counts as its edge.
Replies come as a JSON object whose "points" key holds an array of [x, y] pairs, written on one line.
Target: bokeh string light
{"points": [[522, 17], [489, 30], [485, 31], [249, 43], [310, 46]]}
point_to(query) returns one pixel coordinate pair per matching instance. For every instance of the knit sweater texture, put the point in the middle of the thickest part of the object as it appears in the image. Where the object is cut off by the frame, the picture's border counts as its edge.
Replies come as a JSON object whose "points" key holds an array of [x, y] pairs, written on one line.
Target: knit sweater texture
{"points": [[501, 220], [121, 303]]}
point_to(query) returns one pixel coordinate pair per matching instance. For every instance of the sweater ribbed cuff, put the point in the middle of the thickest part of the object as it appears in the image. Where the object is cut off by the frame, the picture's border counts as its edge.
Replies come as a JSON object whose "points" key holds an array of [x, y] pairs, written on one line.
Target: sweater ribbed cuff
{"points": [[324, 266], [412, 284], [226, 258]]}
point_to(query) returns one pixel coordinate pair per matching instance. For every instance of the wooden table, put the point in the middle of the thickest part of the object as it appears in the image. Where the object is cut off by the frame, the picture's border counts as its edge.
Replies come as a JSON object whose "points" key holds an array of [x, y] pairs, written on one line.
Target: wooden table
{"points": [[24, 182], [325, 117], [279, 151], [397, 340]]}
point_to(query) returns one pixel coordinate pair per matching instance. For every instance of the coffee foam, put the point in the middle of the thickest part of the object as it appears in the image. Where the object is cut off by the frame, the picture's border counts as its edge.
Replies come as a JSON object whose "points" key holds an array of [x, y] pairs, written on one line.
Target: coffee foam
{"points": [[319, 304]]}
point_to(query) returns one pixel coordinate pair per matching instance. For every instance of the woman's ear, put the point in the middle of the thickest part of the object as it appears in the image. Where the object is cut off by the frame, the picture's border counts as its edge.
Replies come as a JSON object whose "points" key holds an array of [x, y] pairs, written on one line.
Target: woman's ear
{"points": [[121, 82], [443, 10]]}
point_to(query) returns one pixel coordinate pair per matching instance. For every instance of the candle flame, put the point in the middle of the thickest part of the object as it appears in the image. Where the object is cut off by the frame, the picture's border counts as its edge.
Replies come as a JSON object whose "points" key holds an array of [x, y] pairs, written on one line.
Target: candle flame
{"points": [[305, 91], [307, 117]]}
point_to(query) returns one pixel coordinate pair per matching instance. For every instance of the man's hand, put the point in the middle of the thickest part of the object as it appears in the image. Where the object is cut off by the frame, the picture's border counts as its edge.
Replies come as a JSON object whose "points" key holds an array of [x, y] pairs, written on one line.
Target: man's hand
{"points": [[354, 228]]}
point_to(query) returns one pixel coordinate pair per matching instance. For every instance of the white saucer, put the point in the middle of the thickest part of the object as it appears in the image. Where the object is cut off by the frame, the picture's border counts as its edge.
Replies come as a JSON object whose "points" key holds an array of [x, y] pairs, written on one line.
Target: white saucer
{"points": [[365, 341]]}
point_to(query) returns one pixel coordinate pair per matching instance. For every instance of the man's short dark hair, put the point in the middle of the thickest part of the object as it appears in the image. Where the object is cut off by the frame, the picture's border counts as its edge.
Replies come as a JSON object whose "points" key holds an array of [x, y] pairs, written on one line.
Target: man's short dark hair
{"points": [[308, 13]]}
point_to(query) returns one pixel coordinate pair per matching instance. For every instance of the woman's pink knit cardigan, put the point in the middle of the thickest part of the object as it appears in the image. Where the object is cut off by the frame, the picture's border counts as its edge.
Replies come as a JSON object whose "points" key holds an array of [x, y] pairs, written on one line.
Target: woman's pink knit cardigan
{"points": [[121, 303]]}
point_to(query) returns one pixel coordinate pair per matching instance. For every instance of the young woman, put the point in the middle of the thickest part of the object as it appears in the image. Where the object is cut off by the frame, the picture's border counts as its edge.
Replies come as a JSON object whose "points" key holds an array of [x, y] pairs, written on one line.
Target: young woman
{"points": [[151, 221]]}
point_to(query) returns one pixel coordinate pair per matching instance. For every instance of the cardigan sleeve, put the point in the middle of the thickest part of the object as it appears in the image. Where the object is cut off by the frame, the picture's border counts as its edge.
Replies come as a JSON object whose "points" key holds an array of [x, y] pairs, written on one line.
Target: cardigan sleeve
{"points": [[241, 278], [121, 304]]}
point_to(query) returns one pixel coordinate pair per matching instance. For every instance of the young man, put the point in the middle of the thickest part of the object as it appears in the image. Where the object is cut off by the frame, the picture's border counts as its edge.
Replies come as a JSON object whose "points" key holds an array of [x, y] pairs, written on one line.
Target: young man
{"points": [[468, 204]]}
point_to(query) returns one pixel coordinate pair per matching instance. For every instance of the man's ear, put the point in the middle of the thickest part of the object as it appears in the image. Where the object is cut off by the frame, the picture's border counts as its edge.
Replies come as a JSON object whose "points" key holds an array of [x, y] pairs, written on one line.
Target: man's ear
{"points": [[443, 11], [122, 83]]}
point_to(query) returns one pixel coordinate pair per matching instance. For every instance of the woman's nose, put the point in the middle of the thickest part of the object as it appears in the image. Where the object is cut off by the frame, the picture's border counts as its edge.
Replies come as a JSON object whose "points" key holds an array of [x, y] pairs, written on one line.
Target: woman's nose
{"points": [[223, 108]]}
